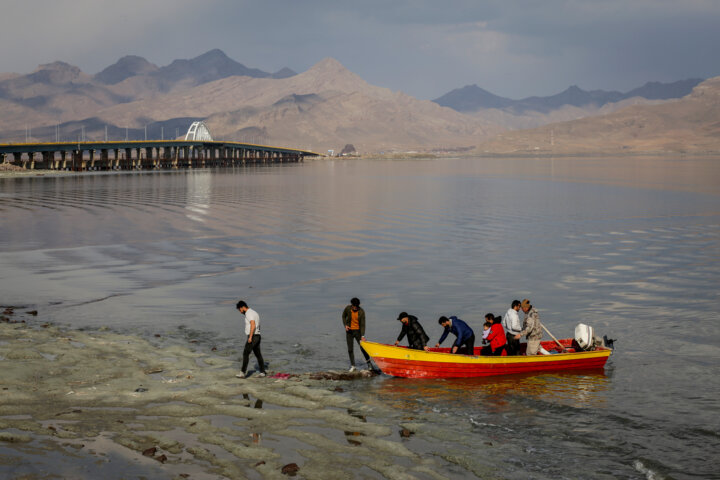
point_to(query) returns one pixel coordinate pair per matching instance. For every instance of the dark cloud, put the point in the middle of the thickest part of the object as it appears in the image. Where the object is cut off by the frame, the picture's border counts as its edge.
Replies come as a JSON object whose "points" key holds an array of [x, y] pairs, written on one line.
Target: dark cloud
{"points": [[425, 48]]}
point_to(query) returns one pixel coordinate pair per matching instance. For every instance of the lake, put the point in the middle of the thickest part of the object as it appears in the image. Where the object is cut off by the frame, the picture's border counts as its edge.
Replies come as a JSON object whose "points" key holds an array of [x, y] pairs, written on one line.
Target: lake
{"points": [[630, 246]]}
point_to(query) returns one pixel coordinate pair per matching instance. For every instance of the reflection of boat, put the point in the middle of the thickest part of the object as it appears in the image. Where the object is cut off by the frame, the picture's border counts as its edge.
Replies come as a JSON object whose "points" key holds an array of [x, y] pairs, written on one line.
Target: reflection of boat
{"points": [[440, 363], [575, 387]]}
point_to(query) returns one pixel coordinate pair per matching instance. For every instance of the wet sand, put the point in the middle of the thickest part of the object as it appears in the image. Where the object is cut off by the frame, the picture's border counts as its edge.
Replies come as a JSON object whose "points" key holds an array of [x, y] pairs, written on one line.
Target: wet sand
{"points": [[80, 404]]}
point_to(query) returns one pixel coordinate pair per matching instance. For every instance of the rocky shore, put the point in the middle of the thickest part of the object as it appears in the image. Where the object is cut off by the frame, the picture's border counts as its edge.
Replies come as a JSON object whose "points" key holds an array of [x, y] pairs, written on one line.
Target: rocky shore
{"points": [[80, 404], [12, 170]]}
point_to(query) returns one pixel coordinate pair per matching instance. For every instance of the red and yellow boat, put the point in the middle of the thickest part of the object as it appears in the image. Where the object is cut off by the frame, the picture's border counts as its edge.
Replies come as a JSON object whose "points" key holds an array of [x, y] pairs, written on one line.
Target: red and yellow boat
{"points": [[440, 363]]}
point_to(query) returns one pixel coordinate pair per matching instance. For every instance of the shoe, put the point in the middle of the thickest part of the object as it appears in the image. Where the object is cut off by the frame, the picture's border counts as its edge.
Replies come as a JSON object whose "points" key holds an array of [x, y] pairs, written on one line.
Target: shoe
{"points": [[352, 369], [261, 374], [240, 375]]}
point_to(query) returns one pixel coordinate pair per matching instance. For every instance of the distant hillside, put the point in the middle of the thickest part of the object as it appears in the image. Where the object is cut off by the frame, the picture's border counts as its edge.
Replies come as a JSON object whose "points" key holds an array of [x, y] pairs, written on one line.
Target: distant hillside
{"points": [[56, 93], [323, 108], [328, 107], [472, 98], [687, 125], [126, 67]]}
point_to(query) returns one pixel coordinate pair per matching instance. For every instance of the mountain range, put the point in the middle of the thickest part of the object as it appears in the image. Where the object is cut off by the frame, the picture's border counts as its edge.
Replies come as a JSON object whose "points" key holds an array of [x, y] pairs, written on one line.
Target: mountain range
{"points": [[323, 108], [473, 98]]}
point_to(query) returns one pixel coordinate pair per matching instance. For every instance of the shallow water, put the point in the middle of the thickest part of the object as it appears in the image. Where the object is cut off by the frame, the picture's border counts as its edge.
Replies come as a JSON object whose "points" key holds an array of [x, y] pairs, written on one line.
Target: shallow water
{"points": [[630, 246]]}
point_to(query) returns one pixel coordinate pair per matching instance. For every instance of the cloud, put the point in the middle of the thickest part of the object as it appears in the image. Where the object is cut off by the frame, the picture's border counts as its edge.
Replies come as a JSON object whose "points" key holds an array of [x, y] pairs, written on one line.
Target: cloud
{"points": [[423, 47]]}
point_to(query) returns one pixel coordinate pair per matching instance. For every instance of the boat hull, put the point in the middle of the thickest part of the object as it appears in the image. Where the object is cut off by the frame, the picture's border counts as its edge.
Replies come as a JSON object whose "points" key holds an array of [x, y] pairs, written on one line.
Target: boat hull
{"points": [[439, 363]]}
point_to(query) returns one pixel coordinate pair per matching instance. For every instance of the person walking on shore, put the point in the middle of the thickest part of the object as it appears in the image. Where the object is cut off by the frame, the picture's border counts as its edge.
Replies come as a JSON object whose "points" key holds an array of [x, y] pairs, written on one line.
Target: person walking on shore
{"points": [[252, 330], [353, 319]]}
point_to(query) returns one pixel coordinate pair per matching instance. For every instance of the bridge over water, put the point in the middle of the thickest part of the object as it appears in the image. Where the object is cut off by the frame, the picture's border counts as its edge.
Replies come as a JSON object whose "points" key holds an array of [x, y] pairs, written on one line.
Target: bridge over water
{"points": [[197, 150]]}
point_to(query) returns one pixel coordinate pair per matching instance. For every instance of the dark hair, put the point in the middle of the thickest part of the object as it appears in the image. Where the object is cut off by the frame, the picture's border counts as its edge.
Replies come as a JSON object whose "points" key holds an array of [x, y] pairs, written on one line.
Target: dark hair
{"points": [[516, 303], [241, 304], [355, 302], [498, 319], [489, 316], [402, 315], [487, 324], [443, 319]]}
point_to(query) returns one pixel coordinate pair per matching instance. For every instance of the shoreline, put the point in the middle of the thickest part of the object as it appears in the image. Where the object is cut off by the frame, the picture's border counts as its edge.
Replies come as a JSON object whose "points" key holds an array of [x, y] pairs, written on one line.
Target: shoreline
{"points": [[20, 172], [159, 407]]}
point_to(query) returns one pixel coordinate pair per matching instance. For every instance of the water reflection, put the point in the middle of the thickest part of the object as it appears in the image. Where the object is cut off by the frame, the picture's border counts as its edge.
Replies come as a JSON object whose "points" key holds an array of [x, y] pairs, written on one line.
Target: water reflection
{"points": [[256, 436], [350, 436], [581, 388]]}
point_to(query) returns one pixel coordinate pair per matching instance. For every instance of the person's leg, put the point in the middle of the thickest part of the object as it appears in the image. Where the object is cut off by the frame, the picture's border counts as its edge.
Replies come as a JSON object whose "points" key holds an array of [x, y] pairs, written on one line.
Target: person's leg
{"points": [[246, 355], [499, 351], [513, 346], [351, 354], [358, 337], [533, 345], [486, 351], [470, 344], [258, 354]]}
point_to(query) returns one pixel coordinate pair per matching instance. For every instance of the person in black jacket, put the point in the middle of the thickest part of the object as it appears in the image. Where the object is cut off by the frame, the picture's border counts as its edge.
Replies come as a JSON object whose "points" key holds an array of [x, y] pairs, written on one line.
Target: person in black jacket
{"points": [[417, 338]]}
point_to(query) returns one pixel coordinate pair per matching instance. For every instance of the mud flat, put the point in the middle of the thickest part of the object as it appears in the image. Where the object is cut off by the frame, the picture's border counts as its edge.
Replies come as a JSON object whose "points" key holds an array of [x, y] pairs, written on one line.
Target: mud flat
{"points": [[9, 170], [79, 404]]}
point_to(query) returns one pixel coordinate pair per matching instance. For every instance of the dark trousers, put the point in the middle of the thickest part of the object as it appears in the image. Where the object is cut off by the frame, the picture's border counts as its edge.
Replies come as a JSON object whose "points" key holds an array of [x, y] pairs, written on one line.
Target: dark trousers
{"points": [[254, 347], [354, 336], [488, 351], [513, 346], [468, 346]]}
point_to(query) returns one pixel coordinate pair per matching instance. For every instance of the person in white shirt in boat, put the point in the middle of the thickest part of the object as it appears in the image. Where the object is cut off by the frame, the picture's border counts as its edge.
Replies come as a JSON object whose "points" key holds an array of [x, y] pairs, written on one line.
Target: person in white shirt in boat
{"points": [[512, 326]]}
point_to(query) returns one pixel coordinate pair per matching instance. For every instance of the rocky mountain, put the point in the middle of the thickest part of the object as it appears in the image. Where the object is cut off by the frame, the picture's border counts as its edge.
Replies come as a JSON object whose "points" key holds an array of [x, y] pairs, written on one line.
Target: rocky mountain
{"points": [[687, 125], [570, 104], [327, 107], [472, 98], [323, 108], [126, 67], [59, 92]]}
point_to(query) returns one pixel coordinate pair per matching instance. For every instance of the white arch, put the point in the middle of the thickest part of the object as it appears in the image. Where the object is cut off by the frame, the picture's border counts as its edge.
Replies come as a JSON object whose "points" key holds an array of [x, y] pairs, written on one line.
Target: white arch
{"points": [[198, 131]]}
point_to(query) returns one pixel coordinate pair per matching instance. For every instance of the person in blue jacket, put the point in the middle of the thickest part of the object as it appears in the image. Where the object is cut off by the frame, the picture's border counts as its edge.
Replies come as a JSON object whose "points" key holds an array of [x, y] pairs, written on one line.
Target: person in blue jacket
{"points": [[465, 335]]}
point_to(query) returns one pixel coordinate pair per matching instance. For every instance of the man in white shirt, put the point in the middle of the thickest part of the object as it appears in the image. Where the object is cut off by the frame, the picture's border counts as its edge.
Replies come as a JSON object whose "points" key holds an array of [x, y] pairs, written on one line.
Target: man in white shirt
{"points": [[252, 330], [512, 326]]}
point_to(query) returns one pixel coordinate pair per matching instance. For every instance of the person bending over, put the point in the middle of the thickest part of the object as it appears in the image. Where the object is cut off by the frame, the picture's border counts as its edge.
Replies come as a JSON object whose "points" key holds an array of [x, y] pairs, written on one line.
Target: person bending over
{"points": [[417, 338], [465, 341]]}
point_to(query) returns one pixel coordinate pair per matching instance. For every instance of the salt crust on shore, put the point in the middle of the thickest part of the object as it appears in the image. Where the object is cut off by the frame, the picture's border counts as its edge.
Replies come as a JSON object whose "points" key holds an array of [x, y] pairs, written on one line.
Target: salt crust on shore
{"points": [[75, 391]]}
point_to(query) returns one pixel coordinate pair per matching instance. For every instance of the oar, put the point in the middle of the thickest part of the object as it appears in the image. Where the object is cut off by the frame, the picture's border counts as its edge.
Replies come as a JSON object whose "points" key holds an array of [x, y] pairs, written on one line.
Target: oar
{"points": [[562, 347]]}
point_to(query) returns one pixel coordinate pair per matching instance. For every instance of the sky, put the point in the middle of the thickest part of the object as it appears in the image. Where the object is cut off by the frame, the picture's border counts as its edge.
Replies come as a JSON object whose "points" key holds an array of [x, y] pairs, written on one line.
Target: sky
{"points": [[512, 48]]}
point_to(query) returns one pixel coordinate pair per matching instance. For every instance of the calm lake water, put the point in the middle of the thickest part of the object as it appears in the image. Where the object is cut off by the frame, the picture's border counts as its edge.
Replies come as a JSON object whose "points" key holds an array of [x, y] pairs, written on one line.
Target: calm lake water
{"points": [[630, 246]]}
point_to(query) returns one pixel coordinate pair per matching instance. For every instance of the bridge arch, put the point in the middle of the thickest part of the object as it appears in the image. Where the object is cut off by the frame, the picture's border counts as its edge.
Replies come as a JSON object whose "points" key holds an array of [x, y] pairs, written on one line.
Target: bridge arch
{"points": [[198, 131]]}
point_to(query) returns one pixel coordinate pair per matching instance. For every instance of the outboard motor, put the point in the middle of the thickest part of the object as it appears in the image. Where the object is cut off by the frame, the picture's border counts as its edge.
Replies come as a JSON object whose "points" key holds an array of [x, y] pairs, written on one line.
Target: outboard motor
{"points": [[586, 339], [584, 336]]}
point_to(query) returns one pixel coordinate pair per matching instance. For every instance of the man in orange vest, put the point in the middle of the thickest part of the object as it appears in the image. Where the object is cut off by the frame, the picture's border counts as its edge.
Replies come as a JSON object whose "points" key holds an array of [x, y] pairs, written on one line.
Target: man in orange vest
{"points": [[353, 319]]}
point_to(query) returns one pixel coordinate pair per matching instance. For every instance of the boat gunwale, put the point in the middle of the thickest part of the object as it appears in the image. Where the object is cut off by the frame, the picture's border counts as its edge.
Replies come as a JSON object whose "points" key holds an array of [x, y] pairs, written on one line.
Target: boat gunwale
{"points": [[401, 353]]}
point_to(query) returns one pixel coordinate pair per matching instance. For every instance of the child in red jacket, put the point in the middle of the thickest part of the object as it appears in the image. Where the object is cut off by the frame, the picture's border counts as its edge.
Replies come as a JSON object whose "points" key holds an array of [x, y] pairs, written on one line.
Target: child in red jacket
{"points": [[496, 337]]}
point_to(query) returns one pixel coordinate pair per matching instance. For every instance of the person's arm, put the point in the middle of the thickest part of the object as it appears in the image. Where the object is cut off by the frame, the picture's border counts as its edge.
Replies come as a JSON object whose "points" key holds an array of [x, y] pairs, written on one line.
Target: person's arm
{"points": [[252, 331], [403, 331], [346, 318], [444, 336], [489, 334], [361, 322], [525, 330]]}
